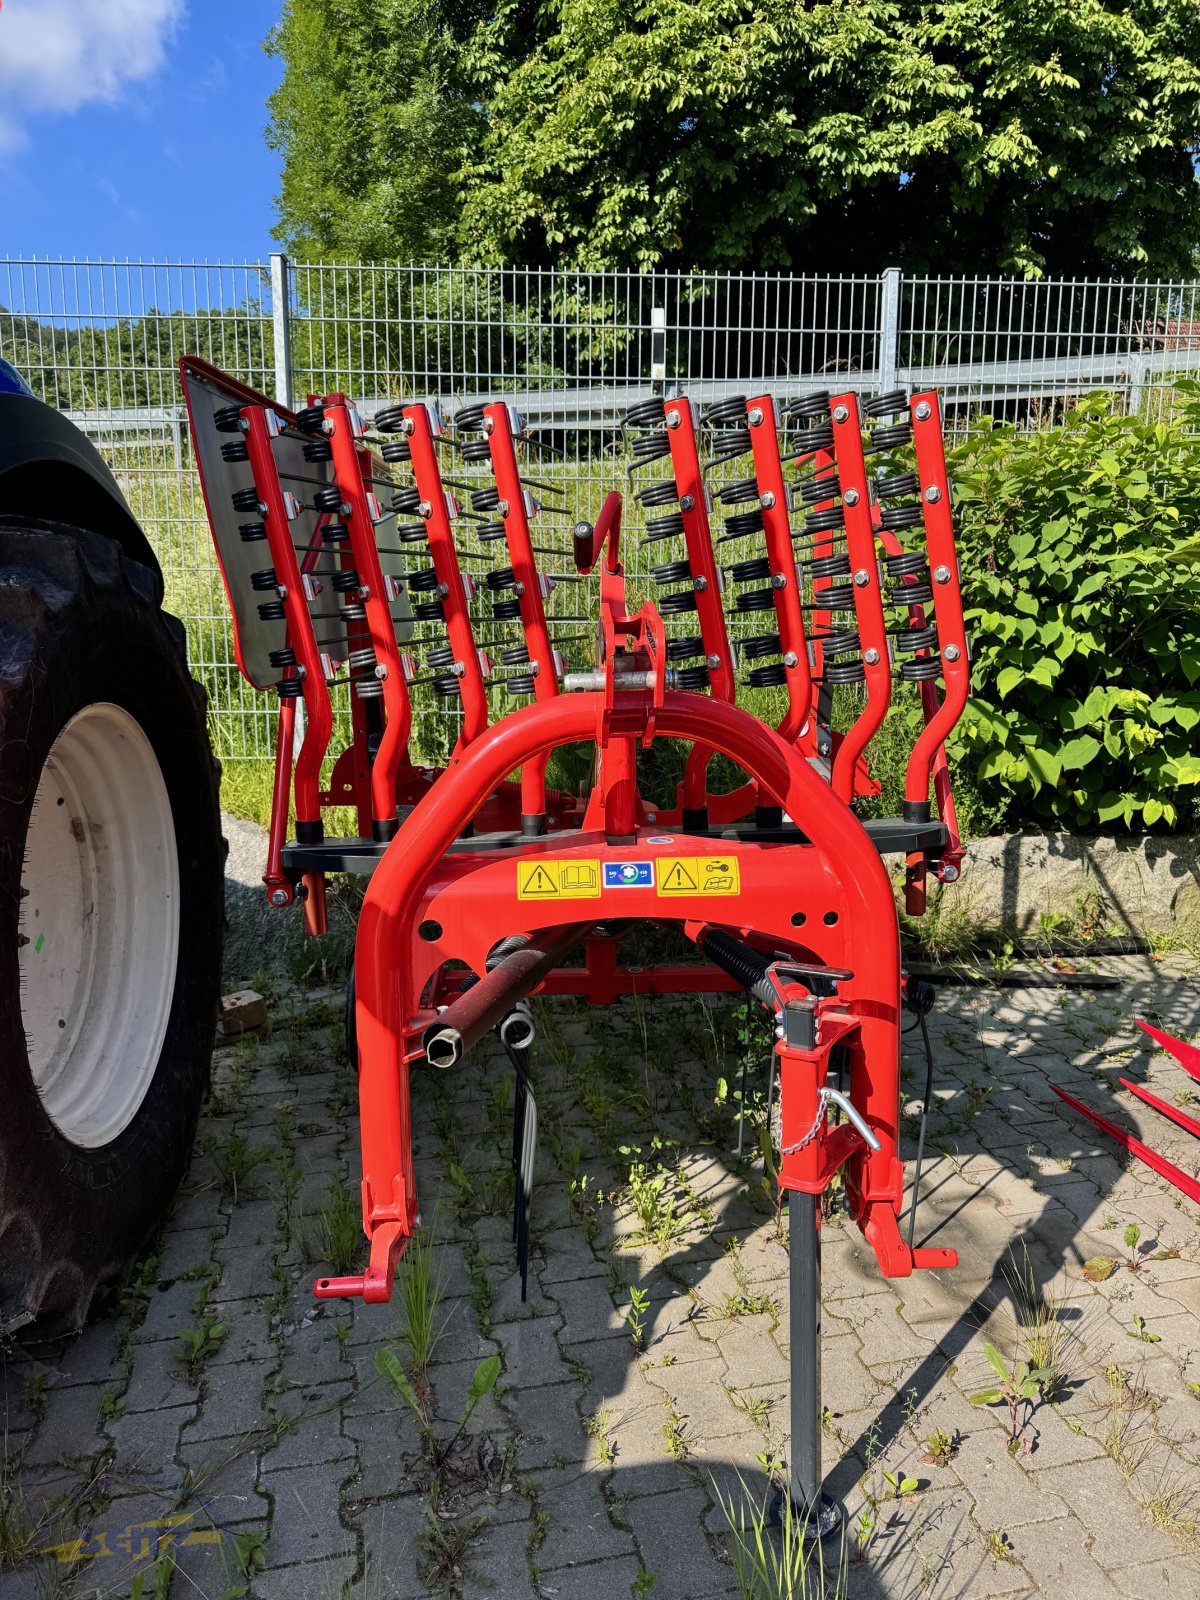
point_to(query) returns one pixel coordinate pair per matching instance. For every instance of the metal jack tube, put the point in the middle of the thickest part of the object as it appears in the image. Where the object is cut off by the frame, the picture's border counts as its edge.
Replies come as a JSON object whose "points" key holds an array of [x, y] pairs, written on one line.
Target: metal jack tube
{"points": [[817, 1515]]}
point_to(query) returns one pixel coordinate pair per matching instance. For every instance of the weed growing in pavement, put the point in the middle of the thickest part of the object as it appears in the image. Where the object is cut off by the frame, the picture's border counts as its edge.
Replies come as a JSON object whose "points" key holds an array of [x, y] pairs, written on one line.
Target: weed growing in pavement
{"points": [[1019, 1389], [339, 1229], [1041, 1324], [158, 1578], [235, 1162], [420, 1295], [19, 1533], [1131, 1236], [34, 1390], [673, 1433], [998, 1547], [635, 1316], [755, 1406], [770, 1567], [596, 1427], [482, 1295], [112, 1405], [445, 1543], [200, 1343], [1140, 1330], [898, 1486], [483, 1381], [941, 1447]]}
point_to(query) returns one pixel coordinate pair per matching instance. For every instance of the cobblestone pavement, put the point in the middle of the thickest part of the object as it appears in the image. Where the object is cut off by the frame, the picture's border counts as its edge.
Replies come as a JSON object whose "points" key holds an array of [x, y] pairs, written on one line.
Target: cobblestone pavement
{"points": [[278, 1462]]}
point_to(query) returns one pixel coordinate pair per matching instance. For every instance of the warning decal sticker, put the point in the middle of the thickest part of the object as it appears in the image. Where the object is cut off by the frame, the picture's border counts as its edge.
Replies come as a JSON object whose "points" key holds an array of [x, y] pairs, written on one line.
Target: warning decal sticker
{"points": [[698, 875], [558, 880]]}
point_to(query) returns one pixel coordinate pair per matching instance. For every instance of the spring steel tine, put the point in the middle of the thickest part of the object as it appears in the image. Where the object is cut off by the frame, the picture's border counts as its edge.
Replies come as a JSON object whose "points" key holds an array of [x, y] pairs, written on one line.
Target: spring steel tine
{"points": [[1187, 1055], [1180, 1118], [1174, 1175]]}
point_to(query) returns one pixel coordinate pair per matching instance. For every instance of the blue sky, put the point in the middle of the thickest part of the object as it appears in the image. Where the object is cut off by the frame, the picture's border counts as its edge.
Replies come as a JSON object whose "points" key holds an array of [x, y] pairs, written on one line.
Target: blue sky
{"points": [[134, 128]]}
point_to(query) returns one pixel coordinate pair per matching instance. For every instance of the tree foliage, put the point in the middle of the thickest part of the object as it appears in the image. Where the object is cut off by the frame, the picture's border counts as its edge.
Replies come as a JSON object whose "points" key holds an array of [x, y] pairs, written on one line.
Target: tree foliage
{"points": [[374, 119], [1081, 571], [961, 135]]}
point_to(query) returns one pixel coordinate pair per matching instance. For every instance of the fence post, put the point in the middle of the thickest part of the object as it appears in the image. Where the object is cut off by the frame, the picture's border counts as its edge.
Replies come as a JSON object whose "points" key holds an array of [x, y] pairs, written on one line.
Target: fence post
{"points": [[281, 322], [889, 328], [658, 347]]}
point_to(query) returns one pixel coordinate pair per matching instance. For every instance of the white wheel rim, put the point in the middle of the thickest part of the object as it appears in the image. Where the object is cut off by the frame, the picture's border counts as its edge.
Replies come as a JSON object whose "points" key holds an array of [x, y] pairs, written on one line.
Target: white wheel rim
{"points": [[100, 925]]}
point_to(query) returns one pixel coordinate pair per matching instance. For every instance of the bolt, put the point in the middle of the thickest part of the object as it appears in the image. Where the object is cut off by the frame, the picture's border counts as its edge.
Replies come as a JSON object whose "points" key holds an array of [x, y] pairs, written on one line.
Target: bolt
{"points": [[281, 591], [779, 1031], [699, 584], [767, 500], [425, 510], [502, 507], [407, 426], [712, 662], [841, 413], [850, 498], [381, 672], [778, 580], [948, 874], [862, 577], [952, 652], [489, 425], [871, 657], [673, 419], [923, 412], [941, 575], [443, 590], [518, 589], [459, 669], [279, 897], [933, 494], [243, 424], [790, 659], [327, 428], [688, 503], [651, 816], [756, 416]]}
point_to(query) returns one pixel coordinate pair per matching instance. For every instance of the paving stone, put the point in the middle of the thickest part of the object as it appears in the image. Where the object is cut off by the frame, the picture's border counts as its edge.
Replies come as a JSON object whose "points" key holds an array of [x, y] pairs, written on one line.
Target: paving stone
{"points": [[309, 1580], [223, 1483], [159, 1378], [598, 1580], [1058, 1556], [579, 1528], [587, 1309], [530, 1353], [305, 1525], [1178, 1578], [549, 1424], [69, 1429], [498, 1565], [90, 1358], [669, 1530], [389, 1534], [231, 1404], [312, 1354], [1099, 1496], [148, 1440], [389, 1455]]}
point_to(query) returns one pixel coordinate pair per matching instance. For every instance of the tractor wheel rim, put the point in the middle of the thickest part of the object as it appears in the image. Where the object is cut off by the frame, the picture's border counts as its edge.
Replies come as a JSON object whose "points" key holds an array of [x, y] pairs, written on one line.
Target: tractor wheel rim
{"points": [[99, 920]]}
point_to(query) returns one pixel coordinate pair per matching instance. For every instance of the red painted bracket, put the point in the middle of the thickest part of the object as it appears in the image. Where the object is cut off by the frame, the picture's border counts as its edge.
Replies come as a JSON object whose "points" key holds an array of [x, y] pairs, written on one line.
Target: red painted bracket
{"points": [[1187, 1055], [1180, 1118]]}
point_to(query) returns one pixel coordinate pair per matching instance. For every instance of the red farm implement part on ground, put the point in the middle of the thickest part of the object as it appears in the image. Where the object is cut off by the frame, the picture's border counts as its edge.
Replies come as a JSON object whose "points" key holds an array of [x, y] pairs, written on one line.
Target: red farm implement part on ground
{"points": [[365, 565]]}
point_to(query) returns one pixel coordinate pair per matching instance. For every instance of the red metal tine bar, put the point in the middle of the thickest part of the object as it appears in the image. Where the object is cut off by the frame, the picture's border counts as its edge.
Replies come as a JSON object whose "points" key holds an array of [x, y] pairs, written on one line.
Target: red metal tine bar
{"points": [[868, 597], [680, 418], [498, 428], [348, 470], [451, 583], [291, 590], [798, 723], [948, 611]]}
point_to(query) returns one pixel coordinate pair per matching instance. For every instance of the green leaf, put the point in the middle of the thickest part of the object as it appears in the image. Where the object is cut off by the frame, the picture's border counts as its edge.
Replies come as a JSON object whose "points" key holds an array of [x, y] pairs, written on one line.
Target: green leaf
{"points": [[1007, 680], [986, 1397], [996, 1361], [483, 1381], [388, 1366], [1078, 752]]}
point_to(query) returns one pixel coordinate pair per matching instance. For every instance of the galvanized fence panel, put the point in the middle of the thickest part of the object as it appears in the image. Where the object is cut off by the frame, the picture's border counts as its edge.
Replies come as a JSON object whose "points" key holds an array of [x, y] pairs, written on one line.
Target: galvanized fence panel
{"points": [[101, 340]]}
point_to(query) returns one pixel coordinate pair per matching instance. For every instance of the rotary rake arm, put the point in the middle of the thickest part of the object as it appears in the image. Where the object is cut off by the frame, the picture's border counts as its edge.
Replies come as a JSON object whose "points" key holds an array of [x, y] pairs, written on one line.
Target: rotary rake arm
{"points": [[479, 884]]}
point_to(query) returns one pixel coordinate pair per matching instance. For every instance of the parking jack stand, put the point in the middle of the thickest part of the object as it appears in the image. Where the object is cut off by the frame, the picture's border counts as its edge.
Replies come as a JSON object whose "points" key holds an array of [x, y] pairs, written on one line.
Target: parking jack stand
{"points": [[817, 1515]]}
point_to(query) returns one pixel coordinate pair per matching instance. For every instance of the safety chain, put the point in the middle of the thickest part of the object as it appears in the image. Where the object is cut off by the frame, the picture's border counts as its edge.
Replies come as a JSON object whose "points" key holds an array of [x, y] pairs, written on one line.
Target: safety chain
{"points": [[823, 1098]]}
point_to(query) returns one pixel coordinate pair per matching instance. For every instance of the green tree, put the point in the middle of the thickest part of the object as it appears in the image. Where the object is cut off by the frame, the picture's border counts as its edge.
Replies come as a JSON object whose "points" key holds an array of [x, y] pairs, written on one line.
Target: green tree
{"points": [[966, 135], [373, 118]]}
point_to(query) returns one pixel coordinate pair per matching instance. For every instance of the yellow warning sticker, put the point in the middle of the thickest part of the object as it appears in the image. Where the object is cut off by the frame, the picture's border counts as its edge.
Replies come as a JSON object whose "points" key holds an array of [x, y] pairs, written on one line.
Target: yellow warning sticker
{"points": [[698, 875], [558, 880]]}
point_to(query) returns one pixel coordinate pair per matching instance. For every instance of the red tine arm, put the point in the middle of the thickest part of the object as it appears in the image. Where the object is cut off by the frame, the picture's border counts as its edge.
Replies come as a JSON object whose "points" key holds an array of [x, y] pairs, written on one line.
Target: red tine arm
{"points": [[450, 578], [497, 423], [590, 541], [868, 599], [685, 460], [348, 469], [710, 612], [948, 612], [291, 591], [768, 470]]}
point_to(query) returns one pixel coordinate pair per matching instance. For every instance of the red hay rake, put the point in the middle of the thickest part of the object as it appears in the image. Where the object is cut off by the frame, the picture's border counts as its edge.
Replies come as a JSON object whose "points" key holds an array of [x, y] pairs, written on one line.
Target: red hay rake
{"points": [[343, 556]]}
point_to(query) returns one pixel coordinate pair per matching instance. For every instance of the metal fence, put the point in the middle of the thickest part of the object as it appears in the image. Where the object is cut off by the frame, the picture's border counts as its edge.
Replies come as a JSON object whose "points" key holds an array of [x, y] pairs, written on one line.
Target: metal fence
{"points": [[101, 340]]}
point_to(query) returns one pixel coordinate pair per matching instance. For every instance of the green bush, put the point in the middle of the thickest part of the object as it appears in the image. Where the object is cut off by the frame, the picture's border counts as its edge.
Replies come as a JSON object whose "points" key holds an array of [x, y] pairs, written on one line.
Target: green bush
{"points": [[1080, 557]]}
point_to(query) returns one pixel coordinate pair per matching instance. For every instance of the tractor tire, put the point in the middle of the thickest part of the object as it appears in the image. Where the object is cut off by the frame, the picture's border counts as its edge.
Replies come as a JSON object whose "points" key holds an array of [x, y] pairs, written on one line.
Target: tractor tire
{"points": [[111, 917]]}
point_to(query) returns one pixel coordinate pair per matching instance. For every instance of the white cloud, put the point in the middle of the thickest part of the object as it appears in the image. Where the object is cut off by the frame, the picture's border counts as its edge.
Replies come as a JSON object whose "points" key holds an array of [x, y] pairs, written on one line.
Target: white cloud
{"points": [[58, 55]]}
